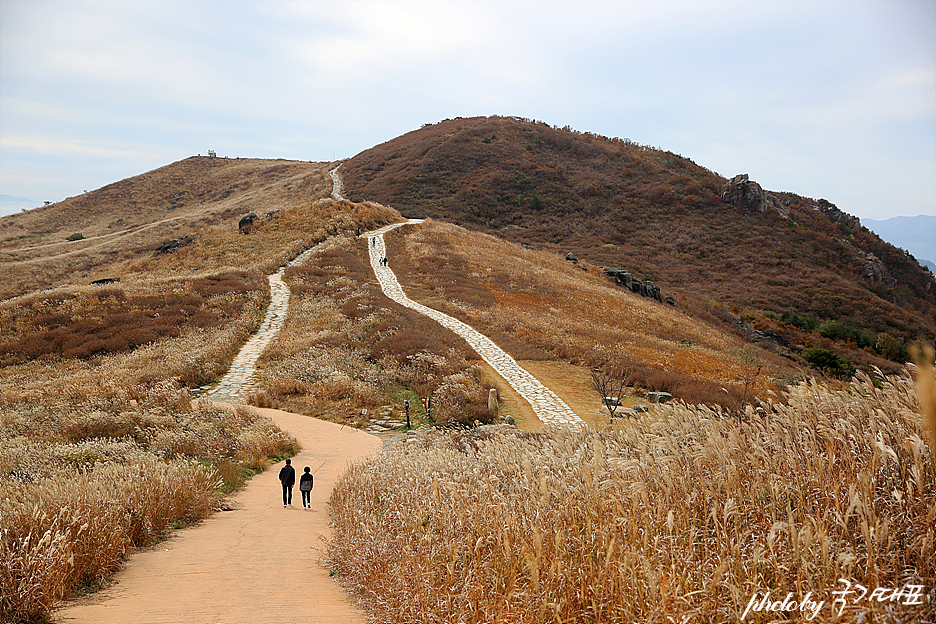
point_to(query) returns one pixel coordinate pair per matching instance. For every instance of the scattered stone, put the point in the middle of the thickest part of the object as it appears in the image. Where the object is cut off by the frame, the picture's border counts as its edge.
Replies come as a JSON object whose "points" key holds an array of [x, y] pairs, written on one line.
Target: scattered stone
{"points": [[659, 397], [570, 257], [105, 280], [529, 247], [641, 409]]}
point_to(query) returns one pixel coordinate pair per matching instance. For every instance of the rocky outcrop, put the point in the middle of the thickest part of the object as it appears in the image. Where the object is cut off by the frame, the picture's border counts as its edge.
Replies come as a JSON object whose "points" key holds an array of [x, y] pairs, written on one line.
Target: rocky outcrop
{"points": [[247, 222], [570, 257], [172, 246], [835, 215], [628, 281], [748, 195]]}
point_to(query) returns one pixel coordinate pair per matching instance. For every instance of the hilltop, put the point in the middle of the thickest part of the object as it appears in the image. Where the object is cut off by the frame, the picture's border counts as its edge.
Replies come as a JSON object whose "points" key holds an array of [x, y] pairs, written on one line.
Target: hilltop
{"points": [[661, 217]]}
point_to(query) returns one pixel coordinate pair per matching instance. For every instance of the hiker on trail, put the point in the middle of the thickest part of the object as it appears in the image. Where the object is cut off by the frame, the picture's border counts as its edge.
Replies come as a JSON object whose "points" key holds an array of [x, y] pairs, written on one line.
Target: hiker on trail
{"points": [[287, 477], [305, 486]]}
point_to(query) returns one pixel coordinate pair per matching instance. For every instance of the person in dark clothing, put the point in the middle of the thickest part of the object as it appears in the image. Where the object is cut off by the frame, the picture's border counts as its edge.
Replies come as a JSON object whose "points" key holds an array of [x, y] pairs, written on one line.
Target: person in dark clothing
{"points": [[305, 486], [287, 477]]}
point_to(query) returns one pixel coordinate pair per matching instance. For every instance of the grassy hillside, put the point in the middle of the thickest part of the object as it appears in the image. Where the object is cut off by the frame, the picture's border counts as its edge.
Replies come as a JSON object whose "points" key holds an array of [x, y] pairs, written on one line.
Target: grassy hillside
{"points": [[660, 216], [679, 516], [128, 220]]}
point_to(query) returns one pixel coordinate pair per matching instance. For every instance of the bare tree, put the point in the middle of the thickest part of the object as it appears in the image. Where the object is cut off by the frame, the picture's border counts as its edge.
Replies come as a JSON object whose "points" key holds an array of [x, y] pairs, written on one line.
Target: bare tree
{"points": [[750, 357], [610, 387]]}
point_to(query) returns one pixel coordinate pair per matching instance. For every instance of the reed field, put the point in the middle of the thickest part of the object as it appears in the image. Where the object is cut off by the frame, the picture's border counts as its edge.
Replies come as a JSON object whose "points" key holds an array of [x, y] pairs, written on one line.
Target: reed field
{"points": [[684, 515]]}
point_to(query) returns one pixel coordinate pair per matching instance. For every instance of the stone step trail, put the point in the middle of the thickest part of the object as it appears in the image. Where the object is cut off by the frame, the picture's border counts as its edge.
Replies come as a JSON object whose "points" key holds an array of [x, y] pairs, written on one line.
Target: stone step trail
{"points": [[337, 186], [548, 407], [243, 376]]}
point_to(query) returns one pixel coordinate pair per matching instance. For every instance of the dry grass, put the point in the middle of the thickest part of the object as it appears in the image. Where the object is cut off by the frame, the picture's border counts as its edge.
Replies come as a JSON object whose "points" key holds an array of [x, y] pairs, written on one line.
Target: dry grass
{"points": [[678, 517], [126, 221], [95, 465], [346, 347]]}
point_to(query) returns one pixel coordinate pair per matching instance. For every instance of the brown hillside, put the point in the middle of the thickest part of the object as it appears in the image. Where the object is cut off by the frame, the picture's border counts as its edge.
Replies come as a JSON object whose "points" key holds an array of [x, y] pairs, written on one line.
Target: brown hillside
{"points": [[345, 346], [656, 214], [129, 219]]}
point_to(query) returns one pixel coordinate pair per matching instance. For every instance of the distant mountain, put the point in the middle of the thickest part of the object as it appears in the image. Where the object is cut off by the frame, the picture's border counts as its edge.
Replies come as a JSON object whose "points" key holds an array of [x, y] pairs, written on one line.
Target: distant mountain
{"points": [[658, 215], [10, 204], [915, 234]]}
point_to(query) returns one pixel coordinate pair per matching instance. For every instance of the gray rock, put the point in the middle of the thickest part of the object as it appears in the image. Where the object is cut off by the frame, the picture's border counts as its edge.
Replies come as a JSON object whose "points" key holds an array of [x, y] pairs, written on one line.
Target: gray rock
{"points": [[570, 257], [641, 409], [246, 222], [659, 397], [172, 246], [748, 195]]}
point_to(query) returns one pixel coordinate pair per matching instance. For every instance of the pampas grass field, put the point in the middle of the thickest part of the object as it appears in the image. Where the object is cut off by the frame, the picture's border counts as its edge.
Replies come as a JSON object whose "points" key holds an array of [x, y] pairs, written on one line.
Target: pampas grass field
{"points": [[681, 516]]}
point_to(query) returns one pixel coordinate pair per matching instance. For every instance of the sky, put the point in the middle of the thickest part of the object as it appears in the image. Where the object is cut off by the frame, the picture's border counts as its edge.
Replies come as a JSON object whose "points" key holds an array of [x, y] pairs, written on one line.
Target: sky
{"points": [[827, 99]]}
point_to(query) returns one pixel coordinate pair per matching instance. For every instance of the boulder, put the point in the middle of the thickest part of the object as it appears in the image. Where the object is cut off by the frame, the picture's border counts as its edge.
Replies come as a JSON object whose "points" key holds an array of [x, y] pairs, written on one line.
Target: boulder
{"points": [[171, 246], [570, 257], [748, 195], [659, 397], [529, 247], [246, 222], [105, 280]]}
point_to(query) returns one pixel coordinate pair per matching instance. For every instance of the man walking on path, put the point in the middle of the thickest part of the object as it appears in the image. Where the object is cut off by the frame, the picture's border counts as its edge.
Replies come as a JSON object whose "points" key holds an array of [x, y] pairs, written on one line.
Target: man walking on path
{"points": [[287, 477]]}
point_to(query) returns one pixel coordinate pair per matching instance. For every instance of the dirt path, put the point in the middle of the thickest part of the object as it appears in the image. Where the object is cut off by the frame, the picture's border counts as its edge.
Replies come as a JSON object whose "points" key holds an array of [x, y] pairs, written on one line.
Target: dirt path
{"points": [[257, 564]]}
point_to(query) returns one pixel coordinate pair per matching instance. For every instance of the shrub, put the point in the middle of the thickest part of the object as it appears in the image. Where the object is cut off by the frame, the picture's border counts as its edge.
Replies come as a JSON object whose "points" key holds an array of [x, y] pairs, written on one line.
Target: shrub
{"points": [[829, 362]]}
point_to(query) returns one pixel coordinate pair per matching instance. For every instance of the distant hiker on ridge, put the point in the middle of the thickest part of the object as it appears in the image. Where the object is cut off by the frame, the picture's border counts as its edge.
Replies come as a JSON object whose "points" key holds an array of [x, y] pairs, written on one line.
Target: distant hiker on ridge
{"points": [[287, 477], [305, 486]]}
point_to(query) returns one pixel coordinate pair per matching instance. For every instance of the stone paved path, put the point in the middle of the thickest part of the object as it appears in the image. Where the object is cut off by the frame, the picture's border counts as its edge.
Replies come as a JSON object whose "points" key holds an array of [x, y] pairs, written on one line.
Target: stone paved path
{"points": [[548, 407], [337, 186]]}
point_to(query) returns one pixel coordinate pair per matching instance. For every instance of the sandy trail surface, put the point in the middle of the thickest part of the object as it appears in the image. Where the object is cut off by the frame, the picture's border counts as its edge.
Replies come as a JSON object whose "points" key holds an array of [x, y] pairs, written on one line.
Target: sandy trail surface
{"points": [[260, 563]]}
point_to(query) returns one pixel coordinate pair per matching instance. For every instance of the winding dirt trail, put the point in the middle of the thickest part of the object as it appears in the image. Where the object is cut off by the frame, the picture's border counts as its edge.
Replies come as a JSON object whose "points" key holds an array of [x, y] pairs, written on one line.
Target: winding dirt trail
{"points": [[257, 564], [261, 562]]}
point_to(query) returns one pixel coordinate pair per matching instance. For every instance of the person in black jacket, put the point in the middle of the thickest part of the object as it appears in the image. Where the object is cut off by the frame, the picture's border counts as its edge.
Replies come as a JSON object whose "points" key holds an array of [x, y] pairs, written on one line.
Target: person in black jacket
{"points": [[287, 477], [305, 486]]}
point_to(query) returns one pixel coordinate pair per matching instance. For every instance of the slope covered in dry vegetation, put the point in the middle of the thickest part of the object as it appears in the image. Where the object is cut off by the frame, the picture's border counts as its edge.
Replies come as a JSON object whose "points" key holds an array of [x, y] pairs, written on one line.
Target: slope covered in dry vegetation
{"points": [[539, 307], [660, 216]]}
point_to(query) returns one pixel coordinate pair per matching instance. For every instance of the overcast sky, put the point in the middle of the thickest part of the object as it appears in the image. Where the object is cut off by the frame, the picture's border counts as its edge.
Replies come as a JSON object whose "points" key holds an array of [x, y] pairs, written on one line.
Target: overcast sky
{"points": [[831, 99]]}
